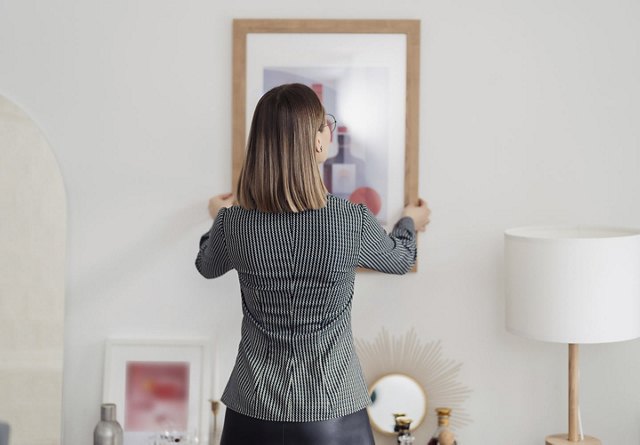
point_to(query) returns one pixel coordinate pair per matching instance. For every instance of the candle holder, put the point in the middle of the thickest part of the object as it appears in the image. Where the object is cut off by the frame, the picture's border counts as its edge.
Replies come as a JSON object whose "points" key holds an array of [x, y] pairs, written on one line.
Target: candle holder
{"points": [[213, 433]]}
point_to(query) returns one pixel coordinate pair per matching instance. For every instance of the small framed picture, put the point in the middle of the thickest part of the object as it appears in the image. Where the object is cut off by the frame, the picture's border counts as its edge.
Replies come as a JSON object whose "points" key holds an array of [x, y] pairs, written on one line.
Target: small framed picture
{"points": [[159, 387]]}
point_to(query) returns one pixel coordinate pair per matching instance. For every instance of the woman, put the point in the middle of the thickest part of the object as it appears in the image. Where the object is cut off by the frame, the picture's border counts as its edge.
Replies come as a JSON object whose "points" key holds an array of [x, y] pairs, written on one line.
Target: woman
{"points": [[297, 380]]}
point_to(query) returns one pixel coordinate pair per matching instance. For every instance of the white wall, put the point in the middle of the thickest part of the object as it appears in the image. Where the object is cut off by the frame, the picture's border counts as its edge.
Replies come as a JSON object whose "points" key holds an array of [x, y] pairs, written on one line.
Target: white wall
{"points": [[529, 114]]}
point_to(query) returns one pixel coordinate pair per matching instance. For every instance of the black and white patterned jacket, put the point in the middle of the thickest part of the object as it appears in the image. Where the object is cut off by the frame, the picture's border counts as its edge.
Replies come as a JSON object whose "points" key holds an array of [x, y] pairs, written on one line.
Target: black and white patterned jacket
{"points": [[296, 359]]}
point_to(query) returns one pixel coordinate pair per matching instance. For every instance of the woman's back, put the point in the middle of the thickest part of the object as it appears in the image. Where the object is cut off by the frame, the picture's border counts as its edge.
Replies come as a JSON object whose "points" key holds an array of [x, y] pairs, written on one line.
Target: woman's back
{"points": [[296, 359], [296, 270]]}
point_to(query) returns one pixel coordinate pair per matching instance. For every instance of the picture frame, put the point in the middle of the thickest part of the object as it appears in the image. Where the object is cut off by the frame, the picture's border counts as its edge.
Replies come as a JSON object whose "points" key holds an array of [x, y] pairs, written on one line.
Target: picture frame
{"points": [[158, 386], [371, 70]]}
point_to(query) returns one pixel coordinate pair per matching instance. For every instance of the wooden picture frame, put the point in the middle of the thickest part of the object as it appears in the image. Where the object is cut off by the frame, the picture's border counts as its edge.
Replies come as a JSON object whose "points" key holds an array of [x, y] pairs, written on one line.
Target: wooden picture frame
{"points": [[329, 43]]}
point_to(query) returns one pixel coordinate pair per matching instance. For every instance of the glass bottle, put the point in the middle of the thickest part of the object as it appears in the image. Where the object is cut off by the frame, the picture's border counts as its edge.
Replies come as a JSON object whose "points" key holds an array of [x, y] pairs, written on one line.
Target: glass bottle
{"points": [[108, 431], [403, 429], [443, 435], [344, 172], [396, 426]]}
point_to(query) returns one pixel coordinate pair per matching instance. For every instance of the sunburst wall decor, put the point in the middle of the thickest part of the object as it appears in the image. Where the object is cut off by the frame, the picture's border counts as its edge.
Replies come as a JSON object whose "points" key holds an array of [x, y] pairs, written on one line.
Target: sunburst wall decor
{"points": [[427, 365]]}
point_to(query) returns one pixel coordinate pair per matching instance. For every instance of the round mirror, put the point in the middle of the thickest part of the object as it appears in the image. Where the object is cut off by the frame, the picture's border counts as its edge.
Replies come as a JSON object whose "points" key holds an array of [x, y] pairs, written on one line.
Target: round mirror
{"points": [[396, 393]]}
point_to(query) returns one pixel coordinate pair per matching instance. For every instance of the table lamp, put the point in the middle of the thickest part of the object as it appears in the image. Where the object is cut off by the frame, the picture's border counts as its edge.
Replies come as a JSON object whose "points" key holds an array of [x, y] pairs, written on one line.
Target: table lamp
{"points": [[573, 285]]}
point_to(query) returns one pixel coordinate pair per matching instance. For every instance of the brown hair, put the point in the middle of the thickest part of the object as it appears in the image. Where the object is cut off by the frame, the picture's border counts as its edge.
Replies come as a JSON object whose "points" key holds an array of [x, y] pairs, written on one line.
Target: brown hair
{"points": [[280, 172]]}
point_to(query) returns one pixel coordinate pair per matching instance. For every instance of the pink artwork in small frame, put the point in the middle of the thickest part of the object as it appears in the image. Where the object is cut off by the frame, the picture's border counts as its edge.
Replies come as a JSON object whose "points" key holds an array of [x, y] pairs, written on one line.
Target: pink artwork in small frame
{"points": [[157, 396]]}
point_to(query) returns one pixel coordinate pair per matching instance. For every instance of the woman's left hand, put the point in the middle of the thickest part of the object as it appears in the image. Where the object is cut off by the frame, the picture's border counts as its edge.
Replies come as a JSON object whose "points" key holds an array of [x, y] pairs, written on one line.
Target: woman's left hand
{"points": [[219, 201]]}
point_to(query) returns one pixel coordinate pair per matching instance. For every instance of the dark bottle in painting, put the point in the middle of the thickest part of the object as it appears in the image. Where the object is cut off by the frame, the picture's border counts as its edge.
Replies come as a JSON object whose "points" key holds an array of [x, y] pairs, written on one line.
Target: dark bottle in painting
{"points": [[344, 172]]}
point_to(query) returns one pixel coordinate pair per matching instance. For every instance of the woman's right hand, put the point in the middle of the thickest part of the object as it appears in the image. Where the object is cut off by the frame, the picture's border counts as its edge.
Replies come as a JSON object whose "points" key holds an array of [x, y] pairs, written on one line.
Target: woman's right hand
{"points": [[420, 214]]}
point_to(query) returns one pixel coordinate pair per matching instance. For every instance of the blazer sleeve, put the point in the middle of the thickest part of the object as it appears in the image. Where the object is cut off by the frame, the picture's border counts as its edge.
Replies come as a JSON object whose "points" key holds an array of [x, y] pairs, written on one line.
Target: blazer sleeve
{"points": [[393, 253], [213, 260]]}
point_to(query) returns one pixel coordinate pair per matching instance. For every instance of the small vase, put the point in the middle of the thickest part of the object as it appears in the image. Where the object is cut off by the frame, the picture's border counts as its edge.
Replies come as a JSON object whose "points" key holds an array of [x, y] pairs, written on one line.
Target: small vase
{"points": [[108, 431]]}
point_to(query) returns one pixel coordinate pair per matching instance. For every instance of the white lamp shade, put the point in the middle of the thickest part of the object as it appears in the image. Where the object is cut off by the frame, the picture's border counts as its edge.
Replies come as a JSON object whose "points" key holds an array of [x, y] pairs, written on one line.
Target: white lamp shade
{"points": [[573, 284]]}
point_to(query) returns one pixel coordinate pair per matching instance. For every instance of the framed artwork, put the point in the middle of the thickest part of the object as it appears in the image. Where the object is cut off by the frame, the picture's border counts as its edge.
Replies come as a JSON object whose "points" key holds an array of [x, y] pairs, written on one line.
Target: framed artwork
{"points": [[366, 73], [158, 386]]}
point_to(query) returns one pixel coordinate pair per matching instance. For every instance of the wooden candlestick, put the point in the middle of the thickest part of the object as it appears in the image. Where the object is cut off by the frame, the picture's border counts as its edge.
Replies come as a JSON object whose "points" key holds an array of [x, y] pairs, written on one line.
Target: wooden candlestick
{"points": [[215, 408]]}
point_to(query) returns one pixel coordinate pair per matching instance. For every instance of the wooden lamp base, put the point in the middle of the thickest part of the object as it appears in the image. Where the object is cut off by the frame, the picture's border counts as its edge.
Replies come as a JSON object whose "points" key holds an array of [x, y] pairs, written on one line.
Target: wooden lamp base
{"points": [[563, 439], [573, 437]]}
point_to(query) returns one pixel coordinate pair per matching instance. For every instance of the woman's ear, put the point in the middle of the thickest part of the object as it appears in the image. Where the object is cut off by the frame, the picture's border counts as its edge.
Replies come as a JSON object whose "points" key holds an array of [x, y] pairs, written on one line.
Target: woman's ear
{"points": [[318, 144]]}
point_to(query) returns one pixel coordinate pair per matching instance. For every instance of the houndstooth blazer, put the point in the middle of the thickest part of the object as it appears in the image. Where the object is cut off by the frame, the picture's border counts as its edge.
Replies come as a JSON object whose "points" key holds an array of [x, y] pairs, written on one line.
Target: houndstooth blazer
{"points": [[296, 359]]}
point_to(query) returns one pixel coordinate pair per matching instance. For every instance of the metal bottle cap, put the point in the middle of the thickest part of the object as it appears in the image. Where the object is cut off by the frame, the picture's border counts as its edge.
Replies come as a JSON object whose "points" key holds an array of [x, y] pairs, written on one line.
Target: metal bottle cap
{"points": [[108, 412], [443, 416]]}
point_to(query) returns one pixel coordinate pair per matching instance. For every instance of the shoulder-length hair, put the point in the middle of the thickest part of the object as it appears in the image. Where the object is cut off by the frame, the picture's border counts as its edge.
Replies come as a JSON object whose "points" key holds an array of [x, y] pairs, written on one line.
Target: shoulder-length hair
{"points": [[280, 172]]}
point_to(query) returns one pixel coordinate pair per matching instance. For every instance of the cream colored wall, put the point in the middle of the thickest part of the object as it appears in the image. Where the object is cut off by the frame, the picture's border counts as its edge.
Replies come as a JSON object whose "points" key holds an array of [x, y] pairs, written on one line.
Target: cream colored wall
{"points": [[529, 112], [32, 276]]}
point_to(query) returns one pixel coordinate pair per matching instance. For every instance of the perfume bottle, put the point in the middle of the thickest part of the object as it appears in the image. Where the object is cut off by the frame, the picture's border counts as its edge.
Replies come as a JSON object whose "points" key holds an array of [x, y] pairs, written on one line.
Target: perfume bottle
{"points": [[403, 429], [395, 420], [443, 435], [344, 172], [108, 431]]}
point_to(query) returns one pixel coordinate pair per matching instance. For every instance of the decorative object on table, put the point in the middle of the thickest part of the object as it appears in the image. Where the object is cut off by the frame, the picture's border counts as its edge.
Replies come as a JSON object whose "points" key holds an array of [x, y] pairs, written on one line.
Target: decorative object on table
{"points": [[108, 431], [172, 437], [378, 67], [395, 419], [573, 285], [160, 385], [403, 430], [443, 435], [215, 409], [424, 368]]}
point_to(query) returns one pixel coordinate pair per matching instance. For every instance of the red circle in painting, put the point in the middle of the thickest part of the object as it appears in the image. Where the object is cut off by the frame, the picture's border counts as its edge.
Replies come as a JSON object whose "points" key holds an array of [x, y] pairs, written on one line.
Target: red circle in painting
{"points": [[367, 196]]}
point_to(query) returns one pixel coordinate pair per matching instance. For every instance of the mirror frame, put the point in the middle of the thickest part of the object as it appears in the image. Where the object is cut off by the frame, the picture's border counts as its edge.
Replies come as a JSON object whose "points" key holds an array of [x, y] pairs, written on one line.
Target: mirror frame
{"points": [[435, 373], [415, 423]]}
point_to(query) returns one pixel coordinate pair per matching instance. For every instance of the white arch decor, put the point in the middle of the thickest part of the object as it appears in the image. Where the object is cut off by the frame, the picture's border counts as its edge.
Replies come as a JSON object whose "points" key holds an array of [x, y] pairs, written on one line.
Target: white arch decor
{"points": [[425, 363], [33, 240]]}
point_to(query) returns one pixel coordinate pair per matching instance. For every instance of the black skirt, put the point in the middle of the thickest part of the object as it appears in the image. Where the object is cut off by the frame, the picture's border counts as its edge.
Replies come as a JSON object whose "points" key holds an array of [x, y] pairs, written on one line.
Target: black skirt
{"points": [[352, 429]]}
